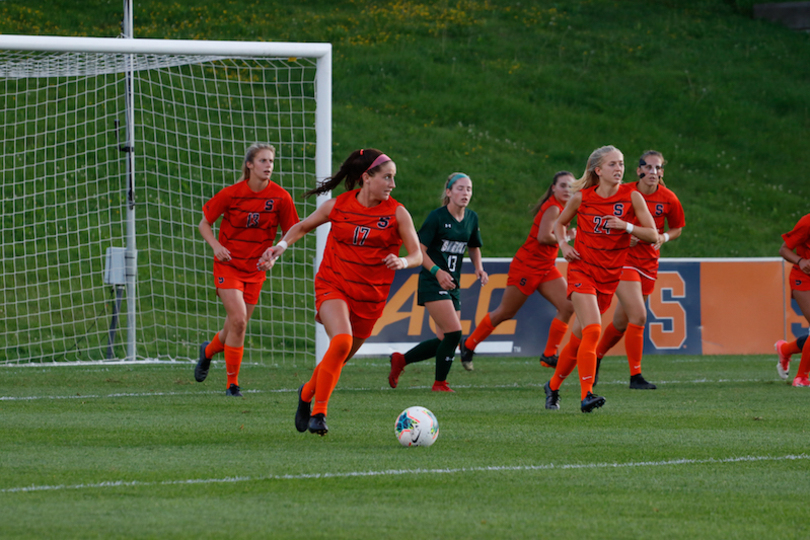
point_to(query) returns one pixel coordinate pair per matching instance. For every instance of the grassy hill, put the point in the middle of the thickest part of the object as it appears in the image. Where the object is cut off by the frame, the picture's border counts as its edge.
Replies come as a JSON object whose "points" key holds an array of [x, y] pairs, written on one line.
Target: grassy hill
{"points": [[511, 92]]}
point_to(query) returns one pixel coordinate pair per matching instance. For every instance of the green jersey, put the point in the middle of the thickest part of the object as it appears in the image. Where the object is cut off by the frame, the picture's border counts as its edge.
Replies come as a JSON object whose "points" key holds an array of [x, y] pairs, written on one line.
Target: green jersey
{"points": [[446, 240]]}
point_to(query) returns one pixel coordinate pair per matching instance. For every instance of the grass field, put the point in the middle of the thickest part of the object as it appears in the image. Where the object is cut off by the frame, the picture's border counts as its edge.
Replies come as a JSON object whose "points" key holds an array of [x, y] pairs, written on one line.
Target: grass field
{"points": [[509, 92], [718, 451]]}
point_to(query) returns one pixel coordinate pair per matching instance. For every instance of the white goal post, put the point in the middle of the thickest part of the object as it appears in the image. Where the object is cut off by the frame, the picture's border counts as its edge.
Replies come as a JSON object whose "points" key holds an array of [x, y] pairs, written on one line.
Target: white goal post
{"points": [[110, 148]]}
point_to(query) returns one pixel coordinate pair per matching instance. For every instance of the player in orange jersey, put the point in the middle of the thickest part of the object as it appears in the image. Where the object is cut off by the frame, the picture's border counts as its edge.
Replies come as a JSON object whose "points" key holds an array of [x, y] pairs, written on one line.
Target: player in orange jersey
{"points": [[605, 209], [533, 269], [796, 250], [641, 269], [368, 227], [252, 210]]}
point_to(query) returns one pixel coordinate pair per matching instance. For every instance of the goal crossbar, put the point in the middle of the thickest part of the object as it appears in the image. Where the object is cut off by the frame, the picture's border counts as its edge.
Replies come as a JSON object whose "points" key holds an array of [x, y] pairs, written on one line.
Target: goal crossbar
{"points": [[163, 46]]}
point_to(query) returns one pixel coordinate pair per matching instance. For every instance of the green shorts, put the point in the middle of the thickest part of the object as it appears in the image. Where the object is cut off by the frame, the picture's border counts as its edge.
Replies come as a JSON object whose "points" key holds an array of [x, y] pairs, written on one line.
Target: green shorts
{"points": [[430, 291]]}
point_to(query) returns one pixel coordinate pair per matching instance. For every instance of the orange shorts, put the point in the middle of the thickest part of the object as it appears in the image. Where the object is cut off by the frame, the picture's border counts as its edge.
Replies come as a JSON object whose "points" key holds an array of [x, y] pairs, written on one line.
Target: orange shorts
{"points": [[361, 326], [527, 283], [647, 284], [799, 281], [250, 290], [587, 286]]}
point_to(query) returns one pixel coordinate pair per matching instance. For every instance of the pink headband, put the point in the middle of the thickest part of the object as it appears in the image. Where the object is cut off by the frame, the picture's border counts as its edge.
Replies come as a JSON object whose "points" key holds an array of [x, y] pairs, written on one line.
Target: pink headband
{"points": [[382, 158]]}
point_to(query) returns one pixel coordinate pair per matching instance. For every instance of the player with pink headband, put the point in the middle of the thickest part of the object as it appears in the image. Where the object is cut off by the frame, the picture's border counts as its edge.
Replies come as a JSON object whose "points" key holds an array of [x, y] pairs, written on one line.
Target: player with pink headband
{"points": [[368, 227]]}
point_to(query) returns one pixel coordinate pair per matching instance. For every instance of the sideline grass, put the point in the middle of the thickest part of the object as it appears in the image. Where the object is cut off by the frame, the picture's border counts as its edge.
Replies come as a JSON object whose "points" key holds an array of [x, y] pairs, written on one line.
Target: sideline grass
{"points": [[718, 451]]}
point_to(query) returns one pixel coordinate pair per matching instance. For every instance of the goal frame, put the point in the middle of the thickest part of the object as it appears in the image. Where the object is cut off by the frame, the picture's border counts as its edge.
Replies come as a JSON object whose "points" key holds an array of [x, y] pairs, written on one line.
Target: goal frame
{"points": [[321, 52]]}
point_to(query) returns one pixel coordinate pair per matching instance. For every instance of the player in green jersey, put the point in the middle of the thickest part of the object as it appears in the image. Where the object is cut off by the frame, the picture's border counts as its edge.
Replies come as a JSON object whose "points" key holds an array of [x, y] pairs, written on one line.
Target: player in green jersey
{"points": [[446, 234]]}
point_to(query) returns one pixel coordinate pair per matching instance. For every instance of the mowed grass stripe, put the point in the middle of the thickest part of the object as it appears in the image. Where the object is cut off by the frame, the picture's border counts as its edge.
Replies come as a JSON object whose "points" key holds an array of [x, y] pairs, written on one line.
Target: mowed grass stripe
{"points": [[367, 389], [460, 470]]}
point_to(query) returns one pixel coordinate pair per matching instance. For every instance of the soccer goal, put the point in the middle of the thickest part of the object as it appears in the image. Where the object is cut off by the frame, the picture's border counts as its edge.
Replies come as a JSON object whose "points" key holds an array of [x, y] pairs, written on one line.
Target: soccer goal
{"points": [[110, 147]]}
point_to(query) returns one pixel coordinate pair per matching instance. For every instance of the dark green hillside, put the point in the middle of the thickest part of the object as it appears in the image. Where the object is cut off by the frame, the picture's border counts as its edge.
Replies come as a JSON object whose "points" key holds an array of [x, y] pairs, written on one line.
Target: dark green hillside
{"points": [[511, 92]]}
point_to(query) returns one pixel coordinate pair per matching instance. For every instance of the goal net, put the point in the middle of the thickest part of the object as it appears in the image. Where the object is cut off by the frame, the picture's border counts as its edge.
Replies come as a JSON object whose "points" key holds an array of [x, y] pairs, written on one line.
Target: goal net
{"points": [[81, 202]]}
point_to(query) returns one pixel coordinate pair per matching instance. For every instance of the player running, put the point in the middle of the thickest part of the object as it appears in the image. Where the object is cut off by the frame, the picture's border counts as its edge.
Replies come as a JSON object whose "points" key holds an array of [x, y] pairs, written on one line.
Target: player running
{"points": [[533, 269], [445, 235], [362, 252], [641, 269], [796, 249], [604, 209]]}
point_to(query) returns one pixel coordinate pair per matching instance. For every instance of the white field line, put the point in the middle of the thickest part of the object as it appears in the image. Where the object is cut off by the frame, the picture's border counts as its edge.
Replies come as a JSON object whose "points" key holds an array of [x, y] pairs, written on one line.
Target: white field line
{"points": [[145, 365], [400, 472], [572, 384]]}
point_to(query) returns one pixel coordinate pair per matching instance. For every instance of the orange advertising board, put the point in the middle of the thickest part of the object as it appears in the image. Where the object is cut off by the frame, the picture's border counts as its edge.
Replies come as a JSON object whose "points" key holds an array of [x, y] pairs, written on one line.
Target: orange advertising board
{"points": [[699, 306]]}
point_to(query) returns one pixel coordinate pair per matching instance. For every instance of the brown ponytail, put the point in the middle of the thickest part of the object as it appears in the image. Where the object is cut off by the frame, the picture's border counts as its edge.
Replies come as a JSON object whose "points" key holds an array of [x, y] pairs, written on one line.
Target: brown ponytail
{"points": [[350, 172]]}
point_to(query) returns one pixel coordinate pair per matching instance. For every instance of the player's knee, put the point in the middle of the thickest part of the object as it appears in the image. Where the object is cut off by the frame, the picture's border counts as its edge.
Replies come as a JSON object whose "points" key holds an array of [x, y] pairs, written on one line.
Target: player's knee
{"points": [[504, 315], [564, 313], [238, 325], [453, 338], [639, 319]]}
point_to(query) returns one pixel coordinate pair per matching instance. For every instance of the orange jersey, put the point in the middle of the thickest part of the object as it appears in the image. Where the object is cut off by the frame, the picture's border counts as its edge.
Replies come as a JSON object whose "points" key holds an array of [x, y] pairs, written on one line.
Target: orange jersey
{"points": [[664, 206], [359, 239], [799, 239], [602, 250], [534, 257], [249, 224]]}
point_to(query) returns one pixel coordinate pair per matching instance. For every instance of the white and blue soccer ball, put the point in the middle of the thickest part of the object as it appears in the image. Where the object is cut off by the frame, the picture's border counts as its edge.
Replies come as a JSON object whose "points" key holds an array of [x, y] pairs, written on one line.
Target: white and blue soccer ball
{"points": [[416, 426]]}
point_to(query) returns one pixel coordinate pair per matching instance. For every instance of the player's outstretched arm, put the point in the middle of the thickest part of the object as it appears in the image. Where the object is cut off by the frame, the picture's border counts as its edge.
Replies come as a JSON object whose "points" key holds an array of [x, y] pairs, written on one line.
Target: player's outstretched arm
{"points": [[297, 231]]}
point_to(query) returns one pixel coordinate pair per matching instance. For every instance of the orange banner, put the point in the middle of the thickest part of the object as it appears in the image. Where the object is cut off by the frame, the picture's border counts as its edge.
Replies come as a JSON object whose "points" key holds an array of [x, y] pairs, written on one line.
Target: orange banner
{"points": [[699, 306]]}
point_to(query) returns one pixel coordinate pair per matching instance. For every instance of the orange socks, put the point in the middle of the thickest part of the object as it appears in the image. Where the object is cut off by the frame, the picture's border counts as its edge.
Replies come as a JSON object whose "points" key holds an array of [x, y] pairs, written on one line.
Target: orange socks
{"points": [[326, 375], [215, 347], [482, 332], [566, 363], [586, 357], [804, 364], [555, 336], [791, 348], [610, 338], [308, 391], [233, 360], [634, 345]]}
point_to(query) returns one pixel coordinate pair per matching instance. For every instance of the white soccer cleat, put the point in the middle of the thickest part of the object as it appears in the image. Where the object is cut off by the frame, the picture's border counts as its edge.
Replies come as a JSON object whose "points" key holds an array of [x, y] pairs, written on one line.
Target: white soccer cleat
{"points": [[783, 365]]}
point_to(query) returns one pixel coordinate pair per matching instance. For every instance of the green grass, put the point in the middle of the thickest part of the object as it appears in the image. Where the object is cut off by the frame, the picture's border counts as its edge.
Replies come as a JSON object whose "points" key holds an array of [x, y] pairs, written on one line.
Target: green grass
{"points": [[511, 92], [718, 451]]}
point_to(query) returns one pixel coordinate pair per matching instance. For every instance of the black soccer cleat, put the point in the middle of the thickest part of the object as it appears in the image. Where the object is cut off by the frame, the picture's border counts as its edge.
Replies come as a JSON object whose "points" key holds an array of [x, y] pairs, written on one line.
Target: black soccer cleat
{"points": [[203, 364], [596, 373], [637, 382], [552, 397], [317, 424], [549, 361], [233, 390], [466, 356], [303, 413], [592, 402]]}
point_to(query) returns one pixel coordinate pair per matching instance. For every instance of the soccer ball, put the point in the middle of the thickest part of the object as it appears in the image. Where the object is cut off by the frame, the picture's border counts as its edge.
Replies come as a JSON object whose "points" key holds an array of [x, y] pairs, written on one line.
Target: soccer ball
{"points": [[416, 426]]}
